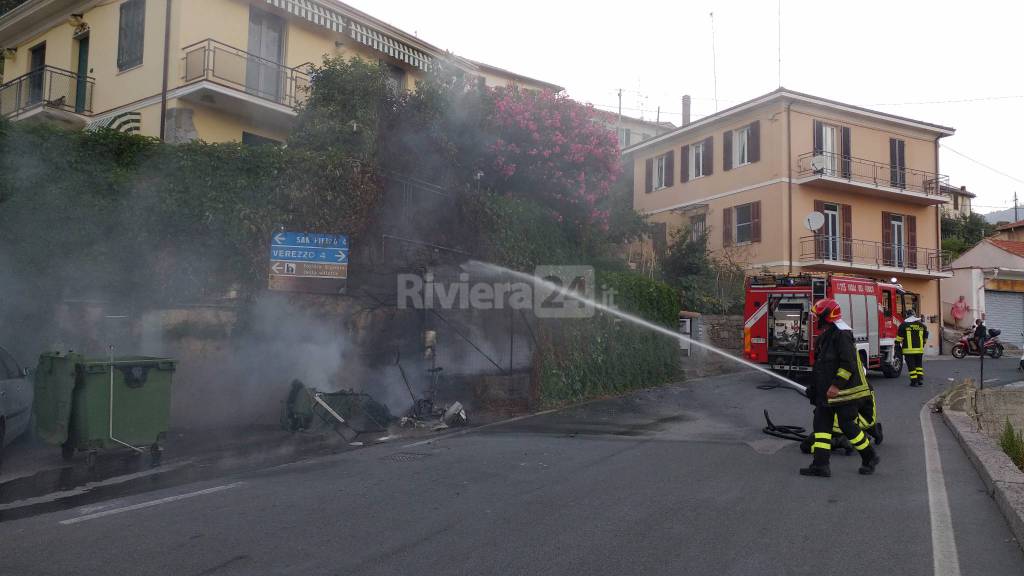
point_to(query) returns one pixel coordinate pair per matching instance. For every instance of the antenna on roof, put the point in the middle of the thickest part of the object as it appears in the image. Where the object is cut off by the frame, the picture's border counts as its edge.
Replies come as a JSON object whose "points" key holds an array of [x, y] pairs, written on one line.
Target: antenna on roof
{"points": [[779, 40], [714, 58]]}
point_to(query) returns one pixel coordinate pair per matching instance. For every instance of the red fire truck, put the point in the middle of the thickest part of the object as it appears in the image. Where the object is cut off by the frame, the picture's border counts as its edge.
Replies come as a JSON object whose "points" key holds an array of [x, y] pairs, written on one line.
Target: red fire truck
{"points": [[779, 331]]}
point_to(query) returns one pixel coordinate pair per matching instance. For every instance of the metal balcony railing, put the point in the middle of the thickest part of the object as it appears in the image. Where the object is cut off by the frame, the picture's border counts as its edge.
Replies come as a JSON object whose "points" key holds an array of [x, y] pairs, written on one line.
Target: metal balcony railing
{"points": [[869, 172], [238, 69], [871, 254], [47, 86]]}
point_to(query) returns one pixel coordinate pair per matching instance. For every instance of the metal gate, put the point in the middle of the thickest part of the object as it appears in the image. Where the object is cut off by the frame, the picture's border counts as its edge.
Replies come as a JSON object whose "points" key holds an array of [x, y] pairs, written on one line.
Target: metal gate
{"points": [[1005, 311]]}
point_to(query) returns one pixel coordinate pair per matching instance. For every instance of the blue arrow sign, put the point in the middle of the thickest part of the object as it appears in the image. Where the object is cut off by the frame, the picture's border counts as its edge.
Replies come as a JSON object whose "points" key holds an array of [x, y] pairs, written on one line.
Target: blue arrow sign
{"points": [[309, 240], [293, 254]]}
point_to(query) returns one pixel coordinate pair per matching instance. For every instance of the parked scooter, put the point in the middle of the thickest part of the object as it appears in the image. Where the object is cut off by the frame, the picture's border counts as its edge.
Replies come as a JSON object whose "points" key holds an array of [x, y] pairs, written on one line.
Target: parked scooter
{"points": [[967, 346]]}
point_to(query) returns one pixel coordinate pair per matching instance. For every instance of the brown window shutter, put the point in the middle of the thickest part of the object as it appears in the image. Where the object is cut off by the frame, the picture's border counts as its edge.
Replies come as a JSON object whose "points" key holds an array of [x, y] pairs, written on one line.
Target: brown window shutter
{"points": [[846, 214], [847, 151], [893, 170], [684, 162], [911, 240], [727, 150], [709, 155], [727, 227], [649, 175], [886, 239], [819, 238], [754, 142], [670, 169], [817, 137], [755, 221]]}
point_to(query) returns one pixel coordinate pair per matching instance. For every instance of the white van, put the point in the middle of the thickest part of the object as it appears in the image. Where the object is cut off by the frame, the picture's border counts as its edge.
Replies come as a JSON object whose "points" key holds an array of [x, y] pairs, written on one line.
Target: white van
{"points": [[15, 400]]}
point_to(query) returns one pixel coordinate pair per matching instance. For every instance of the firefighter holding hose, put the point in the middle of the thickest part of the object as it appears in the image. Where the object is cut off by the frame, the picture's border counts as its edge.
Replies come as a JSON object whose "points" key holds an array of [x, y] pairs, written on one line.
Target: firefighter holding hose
{"points": [[837, 390]]}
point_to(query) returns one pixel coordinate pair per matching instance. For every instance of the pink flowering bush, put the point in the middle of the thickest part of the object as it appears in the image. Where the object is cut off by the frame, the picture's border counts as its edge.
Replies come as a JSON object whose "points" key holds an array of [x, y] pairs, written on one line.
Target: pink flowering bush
{"points": [[554, 150]]}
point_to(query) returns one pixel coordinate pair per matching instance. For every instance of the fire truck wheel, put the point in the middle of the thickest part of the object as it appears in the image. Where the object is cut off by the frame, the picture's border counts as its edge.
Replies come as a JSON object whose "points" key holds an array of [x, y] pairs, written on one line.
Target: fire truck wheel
{"points": [[894, 369]]}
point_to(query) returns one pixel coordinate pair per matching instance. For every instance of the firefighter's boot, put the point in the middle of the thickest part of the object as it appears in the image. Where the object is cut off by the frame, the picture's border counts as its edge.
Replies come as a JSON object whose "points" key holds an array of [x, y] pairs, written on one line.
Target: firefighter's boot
{"points": [[822, 451], [876, 433], [819, 466], [869, 460]]}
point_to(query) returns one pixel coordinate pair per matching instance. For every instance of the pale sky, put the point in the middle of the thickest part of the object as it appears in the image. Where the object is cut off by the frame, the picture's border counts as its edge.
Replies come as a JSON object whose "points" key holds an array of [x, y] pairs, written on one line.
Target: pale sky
{"points": [[898, 56]]}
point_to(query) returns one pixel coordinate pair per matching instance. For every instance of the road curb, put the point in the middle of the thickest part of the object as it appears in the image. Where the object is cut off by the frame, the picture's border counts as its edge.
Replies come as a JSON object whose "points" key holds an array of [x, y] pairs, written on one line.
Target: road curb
{"points": [[1003, 481]]}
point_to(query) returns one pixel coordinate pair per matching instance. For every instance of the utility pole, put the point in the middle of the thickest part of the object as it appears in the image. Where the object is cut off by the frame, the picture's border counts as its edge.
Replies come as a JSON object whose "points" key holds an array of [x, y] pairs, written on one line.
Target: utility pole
{"points": [[1015, 217], [658, 117], [620, 106]]}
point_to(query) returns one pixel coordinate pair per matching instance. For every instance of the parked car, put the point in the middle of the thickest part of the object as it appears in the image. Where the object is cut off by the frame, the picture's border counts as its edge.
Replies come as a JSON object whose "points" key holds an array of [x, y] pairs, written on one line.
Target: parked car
{"points": [[15, 400]]}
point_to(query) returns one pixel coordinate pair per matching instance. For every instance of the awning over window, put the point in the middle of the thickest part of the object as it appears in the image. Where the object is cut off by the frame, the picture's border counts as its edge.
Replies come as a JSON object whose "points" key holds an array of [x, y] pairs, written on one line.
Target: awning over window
{"points": [[313, 12], [383, 43], [128, 122]]}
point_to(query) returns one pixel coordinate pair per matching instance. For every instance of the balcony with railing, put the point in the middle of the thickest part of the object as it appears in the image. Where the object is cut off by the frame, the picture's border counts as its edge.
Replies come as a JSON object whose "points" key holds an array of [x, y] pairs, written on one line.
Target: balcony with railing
{"points": [[838, 253], [232, 71], [49, 93], [868, 176]]}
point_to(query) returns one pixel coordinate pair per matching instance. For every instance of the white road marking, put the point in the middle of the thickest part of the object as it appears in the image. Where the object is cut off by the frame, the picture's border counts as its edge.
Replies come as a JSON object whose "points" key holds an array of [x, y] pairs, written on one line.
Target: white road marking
{"points": [[946, 561], [149, 504]]}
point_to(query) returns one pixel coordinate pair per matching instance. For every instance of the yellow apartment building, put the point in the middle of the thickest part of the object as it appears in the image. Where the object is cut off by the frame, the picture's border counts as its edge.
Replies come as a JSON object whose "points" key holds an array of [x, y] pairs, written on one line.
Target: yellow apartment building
{"points": [[751, 175], [221, 70]]}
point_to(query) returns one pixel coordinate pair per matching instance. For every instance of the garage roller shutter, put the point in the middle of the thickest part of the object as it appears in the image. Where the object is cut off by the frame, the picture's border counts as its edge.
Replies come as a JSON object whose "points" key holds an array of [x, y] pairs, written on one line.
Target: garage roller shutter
{"points": [[1005, 311]]}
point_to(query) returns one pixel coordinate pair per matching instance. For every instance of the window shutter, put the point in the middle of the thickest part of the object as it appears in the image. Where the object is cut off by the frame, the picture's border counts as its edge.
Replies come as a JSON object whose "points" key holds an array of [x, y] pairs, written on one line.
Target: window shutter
{"points": [[886, 239], [911, 240], [755, 221], [892, 161], [670, 169], [846, 214], [727, 150], [130, 34], [649, 175], [817, 137], [709, 155], [684, 162], [754, 142], [819, 239], [727, 227], [847, 151]]}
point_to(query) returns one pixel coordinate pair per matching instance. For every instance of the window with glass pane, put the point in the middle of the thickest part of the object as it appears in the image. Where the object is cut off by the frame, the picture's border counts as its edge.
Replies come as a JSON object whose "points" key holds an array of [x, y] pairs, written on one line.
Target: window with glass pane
{"points": [[696, 160], [744, 223], [697, 227], [660, 171], [740, 146]]}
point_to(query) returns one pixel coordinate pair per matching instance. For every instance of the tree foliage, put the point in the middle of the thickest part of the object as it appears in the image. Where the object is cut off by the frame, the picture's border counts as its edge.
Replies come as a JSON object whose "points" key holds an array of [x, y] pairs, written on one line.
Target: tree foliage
{"points": [[960, 232], [708, 285]]}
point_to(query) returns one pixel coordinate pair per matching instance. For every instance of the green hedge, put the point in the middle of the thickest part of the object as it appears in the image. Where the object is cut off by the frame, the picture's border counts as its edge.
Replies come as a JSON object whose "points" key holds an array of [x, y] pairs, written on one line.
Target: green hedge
{"points": [[604, 355], [1012, 442]]}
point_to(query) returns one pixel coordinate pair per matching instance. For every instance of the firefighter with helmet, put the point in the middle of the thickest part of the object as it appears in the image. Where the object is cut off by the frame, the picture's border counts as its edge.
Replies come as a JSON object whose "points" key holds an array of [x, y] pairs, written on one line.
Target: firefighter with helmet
{"points": [[911, 337], [837, 389]]}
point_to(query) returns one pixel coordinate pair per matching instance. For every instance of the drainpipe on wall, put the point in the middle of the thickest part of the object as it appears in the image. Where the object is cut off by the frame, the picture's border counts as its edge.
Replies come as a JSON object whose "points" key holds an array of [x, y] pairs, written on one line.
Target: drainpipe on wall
{"points": [[789, 186], [938, 241], [167, 65]]}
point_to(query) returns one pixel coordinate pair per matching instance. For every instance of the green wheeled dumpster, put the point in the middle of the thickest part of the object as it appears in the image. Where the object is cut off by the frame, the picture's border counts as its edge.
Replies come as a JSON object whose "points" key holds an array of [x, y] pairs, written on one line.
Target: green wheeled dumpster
{"points": [[92, 404]]}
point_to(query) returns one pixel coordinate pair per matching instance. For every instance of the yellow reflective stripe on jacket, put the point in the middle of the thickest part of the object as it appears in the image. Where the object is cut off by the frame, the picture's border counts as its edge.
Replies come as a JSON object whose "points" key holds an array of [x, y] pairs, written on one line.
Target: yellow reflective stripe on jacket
{"points": [[915, 339], [843, 373]]}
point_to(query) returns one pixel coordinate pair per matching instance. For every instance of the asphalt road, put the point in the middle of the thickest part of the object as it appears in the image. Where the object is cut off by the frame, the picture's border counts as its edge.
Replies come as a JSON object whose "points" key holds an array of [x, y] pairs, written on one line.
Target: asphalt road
{"points": [[678, 480]]}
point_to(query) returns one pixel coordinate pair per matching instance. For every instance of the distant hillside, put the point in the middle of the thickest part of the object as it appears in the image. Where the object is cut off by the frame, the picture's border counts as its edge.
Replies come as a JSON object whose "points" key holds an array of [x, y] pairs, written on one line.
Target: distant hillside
{"points": [[1003, 215]]}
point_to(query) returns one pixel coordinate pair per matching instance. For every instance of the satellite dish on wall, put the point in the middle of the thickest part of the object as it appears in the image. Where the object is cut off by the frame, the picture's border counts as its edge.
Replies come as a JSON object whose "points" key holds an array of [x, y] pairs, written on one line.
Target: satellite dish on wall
{"points": [[814, 221]]}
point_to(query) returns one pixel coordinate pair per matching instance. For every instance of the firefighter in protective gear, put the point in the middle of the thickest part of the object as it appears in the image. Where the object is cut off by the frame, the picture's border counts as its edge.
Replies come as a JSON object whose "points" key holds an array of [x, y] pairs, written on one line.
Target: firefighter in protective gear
{"points": [[911, 337], [837, 389]]}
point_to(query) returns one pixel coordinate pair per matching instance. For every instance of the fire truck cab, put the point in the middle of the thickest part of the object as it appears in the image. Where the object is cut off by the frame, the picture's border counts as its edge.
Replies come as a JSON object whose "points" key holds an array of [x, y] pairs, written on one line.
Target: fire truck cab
{"points": [[780, 332]]}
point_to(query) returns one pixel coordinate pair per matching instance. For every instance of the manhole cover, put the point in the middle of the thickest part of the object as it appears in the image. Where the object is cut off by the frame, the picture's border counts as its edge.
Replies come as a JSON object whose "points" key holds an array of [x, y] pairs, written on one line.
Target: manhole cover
{"points": [[406, 456]]}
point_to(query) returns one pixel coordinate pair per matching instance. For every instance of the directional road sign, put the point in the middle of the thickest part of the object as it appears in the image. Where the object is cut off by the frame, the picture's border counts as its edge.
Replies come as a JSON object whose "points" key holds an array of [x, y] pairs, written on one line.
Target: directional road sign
{"points": [[308, 262]]}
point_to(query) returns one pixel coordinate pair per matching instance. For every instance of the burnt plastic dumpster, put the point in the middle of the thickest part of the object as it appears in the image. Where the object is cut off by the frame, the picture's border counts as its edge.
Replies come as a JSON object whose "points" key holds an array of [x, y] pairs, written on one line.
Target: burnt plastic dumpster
{"points": [[92, 404]]}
